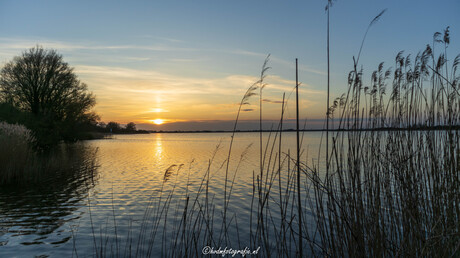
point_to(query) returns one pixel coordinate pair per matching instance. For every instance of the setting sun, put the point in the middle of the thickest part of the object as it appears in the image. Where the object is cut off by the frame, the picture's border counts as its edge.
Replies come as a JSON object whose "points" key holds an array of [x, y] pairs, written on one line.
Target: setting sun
{"points": [[158, 121]]}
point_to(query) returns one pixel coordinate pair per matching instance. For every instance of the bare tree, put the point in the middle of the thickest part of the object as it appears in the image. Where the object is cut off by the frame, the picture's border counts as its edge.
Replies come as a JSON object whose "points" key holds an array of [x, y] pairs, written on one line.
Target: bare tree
{"points": [[40, 81]]}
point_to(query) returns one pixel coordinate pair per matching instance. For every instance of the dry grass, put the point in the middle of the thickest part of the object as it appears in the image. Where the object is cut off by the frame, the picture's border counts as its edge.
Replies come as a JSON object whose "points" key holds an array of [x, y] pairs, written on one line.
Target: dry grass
{"points": [[21, 164], [15, 151]]}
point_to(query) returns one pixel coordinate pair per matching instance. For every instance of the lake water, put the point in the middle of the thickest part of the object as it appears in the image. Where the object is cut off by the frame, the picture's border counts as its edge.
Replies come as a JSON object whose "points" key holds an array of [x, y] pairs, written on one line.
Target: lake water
{"points": [[76, 213]]}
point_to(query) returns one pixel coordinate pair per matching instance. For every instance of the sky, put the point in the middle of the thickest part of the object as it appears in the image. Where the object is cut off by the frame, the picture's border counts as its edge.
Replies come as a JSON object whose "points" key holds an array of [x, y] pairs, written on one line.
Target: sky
{"points": [[187, 64]]}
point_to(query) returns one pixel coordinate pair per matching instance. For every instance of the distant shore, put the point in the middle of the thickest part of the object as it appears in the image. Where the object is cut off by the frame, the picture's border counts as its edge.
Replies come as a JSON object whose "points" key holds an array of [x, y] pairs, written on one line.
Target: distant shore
{"points": [[433, 128]]}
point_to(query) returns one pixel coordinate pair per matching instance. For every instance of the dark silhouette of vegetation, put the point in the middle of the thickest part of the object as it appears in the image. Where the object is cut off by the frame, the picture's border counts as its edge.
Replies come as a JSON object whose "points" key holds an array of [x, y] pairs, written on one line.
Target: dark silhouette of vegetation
{"points": [[116, 128], [392, 188], [113, 127], [20, 164], [377, 194], [130, 127], [393, 193], [41, 91]]}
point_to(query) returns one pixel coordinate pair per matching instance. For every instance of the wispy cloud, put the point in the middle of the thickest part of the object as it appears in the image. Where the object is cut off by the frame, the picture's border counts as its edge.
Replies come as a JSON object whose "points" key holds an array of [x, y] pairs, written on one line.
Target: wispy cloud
{"points": [[301, 67], [280, 61], [149, 81], [248, 53], [185, 60], [284, 85], [126, 92], [171, 40], [23, 43], [139, 58], [12, 46], [272, 101]]}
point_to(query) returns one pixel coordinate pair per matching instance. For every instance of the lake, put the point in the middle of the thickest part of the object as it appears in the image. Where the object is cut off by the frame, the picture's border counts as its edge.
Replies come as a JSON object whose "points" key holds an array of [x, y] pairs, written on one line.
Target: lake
{"points": [[119, 206]]}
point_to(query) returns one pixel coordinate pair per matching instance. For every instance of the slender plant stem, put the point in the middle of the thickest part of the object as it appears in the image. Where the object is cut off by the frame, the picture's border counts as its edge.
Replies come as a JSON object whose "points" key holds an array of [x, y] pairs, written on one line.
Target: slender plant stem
{"points": [[299, 201], [328, 87]]}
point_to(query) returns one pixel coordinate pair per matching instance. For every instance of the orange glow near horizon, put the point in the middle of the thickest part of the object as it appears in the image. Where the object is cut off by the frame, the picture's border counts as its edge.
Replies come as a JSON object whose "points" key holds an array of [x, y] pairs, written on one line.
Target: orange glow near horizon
{"points": [[158, 121]]}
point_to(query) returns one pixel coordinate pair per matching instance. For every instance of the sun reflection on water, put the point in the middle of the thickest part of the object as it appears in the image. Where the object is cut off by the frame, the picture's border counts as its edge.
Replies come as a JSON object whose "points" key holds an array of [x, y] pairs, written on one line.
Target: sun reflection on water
{"points": [[158, 147]]}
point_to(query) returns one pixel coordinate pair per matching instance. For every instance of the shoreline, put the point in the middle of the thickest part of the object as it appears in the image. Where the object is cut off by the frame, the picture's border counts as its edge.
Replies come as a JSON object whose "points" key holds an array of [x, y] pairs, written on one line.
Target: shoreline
{"points": [[436, 128]]}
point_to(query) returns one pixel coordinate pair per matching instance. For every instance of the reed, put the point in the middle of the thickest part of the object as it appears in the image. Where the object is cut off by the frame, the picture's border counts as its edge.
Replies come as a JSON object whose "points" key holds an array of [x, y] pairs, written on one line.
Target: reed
{"points": [[15, 141], [390, 186], [21, 164], [394, 185]]}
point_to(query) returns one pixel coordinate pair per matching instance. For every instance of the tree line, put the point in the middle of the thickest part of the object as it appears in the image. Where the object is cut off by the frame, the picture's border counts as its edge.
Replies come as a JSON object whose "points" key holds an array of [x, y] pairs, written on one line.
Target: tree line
{"points": [[41, 91], [114, 127]]}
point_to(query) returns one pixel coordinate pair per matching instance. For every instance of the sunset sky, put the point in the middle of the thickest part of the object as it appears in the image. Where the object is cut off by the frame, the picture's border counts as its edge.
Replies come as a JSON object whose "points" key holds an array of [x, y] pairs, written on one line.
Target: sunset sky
{"points": [[188, 63]]}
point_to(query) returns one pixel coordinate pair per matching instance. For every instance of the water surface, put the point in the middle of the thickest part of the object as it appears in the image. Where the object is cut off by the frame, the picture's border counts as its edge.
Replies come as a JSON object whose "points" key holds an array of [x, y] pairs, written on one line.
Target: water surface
{"points": [[71, 212]]}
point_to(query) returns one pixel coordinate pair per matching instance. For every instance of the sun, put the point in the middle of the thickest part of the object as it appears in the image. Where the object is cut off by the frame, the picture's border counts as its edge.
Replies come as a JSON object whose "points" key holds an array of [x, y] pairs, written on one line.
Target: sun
{"points": [[158, 121]]}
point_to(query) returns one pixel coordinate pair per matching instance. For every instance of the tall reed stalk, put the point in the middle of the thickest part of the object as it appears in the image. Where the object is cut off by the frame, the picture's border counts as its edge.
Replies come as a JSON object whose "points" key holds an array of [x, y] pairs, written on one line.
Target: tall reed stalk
{"points": [[390, 187], [394, 185], [299, 199]]}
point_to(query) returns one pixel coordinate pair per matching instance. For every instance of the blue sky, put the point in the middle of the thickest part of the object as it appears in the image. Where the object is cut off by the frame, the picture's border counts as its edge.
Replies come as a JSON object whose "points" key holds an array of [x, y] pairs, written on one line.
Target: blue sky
{"points": [[191, 61]]}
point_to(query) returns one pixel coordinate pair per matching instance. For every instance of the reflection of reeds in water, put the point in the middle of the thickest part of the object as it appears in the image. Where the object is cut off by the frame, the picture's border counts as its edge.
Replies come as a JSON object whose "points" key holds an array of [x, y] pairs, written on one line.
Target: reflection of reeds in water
{"points": [[36, 208], [392, 187]]}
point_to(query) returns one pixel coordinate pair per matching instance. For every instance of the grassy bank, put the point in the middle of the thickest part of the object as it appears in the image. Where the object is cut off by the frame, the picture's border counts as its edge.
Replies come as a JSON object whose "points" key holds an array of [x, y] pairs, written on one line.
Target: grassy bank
{"points": [[20, 163]]}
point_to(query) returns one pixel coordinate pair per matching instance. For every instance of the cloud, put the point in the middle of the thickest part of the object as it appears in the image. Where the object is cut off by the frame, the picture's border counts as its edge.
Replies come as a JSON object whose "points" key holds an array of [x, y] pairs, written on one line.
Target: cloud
{"points": [[184, 60], [278, 60], [152, 82], [301, 67], [132, 94], [284, 85], [129, 92], [21, 43], [10, 46], [139, 58], [172, 40], [273, 101], [227, 125], [248, 53]]}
